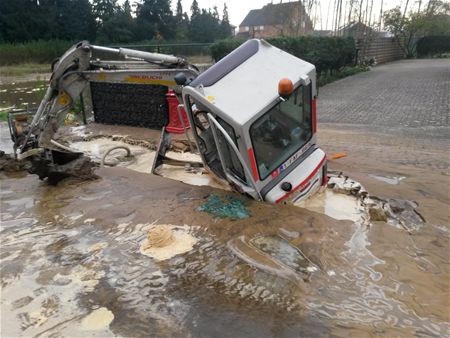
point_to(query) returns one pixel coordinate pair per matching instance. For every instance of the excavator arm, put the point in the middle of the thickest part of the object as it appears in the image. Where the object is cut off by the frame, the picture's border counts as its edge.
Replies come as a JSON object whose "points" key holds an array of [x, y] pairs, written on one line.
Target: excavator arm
{"points": [[71, 79]]}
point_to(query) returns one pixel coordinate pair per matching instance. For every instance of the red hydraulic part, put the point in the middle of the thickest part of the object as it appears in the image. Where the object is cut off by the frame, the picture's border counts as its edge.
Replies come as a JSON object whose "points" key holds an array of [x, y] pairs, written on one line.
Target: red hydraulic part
{"points": [[175, 126]]}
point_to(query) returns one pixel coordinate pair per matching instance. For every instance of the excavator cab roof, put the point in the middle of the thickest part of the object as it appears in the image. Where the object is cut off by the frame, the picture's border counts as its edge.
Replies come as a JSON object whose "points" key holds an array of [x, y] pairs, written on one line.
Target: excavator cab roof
{"points": [[245, 82]]}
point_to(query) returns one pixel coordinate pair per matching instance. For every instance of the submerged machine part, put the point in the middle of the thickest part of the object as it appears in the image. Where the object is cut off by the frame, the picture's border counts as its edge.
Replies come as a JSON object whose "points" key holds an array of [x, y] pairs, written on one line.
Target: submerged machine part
{"points": [[80, 79], [254, 121], [253, 114]]}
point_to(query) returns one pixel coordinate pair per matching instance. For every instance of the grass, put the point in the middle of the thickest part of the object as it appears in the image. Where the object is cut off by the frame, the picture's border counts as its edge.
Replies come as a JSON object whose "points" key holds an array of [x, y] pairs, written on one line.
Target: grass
{"points": [[32, 52], [3, 115], [24, 69]]}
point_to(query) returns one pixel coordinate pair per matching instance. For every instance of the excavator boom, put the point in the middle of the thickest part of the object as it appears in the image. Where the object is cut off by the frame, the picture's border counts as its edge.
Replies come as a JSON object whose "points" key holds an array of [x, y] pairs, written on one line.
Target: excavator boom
{"points": [[76, 76]]}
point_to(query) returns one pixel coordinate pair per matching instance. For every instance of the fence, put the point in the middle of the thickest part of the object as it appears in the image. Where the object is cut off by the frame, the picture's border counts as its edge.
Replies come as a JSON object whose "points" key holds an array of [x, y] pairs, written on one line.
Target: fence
{"points": [[380, 48]]}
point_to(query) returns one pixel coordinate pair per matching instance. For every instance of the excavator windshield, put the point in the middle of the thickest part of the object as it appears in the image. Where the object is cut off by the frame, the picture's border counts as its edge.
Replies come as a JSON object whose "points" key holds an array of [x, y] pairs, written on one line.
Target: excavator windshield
{"points": [[282, 131]]}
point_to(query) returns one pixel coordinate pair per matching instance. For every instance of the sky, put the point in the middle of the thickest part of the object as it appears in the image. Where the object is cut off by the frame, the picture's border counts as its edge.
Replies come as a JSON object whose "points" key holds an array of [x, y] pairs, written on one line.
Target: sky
{"points": [[238, 9]]}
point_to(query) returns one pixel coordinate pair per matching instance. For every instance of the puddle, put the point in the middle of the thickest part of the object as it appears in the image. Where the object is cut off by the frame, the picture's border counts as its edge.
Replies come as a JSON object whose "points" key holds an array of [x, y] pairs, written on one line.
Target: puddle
{"points": [[6, 144], [72, 268], [142, 161], [22, 95], [394, 180], [336, 205], [282, 250]]}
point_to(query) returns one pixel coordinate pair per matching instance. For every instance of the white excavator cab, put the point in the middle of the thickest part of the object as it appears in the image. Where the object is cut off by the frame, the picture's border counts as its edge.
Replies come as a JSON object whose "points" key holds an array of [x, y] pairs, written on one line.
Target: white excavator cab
{"points": [[253, 114], [254, 121]]}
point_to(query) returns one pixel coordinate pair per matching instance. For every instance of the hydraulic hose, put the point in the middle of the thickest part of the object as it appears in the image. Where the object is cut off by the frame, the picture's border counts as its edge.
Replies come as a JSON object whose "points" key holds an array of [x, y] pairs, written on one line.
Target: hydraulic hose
{"points": [[103, 162]]}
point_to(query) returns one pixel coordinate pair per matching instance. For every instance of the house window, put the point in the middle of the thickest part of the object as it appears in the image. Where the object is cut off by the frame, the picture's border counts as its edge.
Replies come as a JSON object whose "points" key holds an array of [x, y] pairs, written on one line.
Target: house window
{"points": [[261, 28], [246, 28]]}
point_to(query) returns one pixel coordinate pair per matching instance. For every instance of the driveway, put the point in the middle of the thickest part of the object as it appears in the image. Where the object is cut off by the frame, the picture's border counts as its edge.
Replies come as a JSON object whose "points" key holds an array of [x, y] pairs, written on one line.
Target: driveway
{"points": [[407, 93]]}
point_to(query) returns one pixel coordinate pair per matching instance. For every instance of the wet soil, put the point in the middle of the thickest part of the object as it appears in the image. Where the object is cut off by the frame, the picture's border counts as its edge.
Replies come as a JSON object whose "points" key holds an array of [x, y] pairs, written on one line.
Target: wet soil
{"points": [[72, 253]]}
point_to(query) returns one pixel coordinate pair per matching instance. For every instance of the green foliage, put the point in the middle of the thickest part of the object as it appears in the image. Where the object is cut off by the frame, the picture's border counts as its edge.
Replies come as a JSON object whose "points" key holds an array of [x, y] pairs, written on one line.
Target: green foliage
{"points": [[328, 54], [206, 27], [108, 21], [328, 77], [32, 52], [433, 45], [3, 115], [27, 20], [104, 10], [433, 20], [119, 28], [221, 48]]}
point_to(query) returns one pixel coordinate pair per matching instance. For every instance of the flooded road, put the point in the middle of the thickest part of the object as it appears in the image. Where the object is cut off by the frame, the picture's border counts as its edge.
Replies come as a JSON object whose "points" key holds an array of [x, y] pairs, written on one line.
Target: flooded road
{"points": [[77, 259], [72, 265], [22, 95]]}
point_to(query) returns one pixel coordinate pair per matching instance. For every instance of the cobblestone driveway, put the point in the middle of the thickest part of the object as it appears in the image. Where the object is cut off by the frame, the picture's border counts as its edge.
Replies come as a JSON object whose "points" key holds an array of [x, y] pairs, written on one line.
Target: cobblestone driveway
{"points": [[407, 93]]}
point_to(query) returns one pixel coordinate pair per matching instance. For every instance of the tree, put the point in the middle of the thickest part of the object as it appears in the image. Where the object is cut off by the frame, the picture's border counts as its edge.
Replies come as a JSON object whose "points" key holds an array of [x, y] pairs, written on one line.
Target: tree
{"points": [[403, 28], [154, 19], [434, 20], [23, 20], [104, 10], [26, 20], [225, 27], [181, 23], [179, 12], [195, 10], [75, 20], [119, 28]]}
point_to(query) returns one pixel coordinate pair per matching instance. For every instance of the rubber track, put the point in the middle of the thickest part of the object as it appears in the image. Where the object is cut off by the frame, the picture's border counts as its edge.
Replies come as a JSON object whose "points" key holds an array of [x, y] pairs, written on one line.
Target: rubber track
{"points": [[130, 104]]}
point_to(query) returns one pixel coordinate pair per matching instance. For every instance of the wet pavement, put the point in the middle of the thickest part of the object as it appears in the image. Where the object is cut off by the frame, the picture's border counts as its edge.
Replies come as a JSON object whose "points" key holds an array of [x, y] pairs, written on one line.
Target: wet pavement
{"points": [[72, 261]]}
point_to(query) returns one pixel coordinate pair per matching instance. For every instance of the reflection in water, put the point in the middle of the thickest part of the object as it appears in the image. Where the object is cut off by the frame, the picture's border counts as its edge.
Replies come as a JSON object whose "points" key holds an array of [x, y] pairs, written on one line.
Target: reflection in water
{"points": [[336, 205]]}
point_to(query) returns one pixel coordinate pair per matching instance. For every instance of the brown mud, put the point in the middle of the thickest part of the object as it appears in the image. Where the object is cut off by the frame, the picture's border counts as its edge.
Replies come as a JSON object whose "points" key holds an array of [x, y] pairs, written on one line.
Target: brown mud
{"points": [[71, 261]]}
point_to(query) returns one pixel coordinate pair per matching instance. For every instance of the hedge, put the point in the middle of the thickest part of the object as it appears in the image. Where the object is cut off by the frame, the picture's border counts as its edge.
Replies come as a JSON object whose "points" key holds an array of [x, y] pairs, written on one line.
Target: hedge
{"points": [[32, 52], [432, 45], [328, 54]]}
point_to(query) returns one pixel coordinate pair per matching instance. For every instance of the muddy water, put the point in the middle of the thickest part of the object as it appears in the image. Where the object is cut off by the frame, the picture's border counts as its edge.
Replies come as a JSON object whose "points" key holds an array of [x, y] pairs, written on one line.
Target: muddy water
{"points": [[6, 144], [141, 160], [22, 95], [71, 266]]}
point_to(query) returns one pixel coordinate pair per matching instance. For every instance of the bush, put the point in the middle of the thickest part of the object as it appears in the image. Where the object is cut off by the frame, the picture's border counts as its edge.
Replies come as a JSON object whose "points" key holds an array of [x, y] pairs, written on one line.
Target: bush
{"points": [[221, 48], [328, 54], [32, 52], [432, 45]]}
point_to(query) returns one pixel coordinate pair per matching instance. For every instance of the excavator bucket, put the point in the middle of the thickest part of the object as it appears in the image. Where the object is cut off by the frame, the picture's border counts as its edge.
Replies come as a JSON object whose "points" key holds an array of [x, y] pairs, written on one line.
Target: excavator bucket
{"points": [[161, 158]]}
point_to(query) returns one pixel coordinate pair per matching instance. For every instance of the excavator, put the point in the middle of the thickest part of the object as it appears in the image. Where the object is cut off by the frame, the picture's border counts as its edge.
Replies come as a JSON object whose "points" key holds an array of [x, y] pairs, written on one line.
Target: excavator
{"points": [[252, 114]]}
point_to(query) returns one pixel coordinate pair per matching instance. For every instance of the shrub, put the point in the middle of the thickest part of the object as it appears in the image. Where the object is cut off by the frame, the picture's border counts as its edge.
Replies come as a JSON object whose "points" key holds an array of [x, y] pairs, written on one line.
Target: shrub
{"points": [[32, 52], [432, 45], [328, 54]]}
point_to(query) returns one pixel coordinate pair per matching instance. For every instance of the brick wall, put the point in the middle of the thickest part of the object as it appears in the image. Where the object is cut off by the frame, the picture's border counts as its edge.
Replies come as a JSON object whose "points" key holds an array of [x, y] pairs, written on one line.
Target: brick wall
{"points": [[381, 49]]}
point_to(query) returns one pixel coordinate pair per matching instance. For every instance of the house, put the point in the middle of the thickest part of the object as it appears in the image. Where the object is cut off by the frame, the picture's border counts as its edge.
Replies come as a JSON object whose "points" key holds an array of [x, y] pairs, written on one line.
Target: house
{"points": [[285, 19], [356, 30], [323, 33]]}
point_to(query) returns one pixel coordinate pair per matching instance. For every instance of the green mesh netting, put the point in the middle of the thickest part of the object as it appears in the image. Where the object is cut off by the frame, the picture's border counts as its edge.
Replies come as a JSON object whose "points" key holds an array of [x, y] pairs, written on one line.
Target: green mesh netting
{"points": [[229, 207]]}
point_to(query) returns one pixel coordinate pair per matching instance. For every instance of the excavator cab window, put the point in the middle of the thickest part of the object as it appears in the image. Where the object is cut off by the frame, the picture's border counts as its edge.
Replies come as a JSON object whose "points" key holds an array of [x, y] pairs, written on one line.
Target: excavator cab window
{"points": [[282, 131], [208, 146]]}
